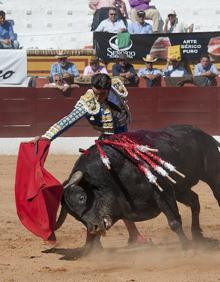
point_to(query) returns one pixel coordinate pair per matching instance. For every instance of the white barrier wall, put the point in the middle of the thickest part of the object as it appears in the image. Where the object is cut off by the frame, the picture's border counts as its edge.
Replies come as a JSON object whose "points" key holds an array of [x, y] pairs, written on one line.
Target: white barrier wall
{"points": [[66, 24], [61, 145]]}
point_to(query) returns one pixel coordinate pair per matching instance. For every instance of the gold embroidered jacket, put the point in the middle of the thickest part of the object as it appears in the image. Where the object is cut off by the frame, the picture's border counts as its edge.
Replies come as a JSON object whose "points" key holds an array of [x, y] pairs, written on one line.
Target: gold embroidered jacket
{"points": [[111, 116]]}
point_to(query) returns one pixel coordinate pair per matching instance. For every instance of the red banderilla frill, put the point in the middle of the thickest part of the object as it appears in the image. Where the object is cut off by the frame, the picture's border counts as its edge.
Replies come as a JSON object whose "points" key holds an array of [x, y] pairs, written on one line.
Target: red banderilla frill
{"points": [[141, 155]]}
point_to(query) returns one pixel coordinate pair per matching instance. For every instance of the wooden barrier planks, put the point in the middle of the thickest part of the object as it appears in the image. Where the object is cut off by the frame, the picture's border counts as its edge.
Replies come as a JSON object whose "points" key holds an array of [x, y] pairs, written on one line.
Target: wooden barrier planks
{"points": [[26, 112]]}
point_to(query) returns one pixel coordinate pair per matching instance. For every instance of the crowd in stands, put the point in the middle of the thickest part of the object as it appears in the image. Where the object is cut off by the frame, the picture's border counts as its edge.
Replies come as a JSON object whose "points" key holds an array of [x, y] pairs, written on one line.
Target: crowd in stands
{"points": [[65, 76], [112, 16]]}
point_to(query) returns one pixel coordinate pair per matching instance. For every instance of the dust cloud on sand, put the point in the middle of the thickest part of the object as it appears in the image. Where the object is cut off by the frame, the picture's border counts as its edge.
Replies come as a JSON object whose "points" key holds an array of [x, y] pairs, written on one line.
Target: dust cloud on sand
{"points": [[25, 257]]}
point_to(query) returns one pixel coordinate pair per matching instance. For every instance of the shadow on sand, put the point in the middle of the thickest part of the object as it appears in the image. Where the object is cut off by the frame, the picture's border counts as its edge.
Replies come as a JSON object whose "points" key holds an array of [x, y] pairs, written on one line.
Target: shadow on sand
{"points": [[207, 244], [77, 253]]}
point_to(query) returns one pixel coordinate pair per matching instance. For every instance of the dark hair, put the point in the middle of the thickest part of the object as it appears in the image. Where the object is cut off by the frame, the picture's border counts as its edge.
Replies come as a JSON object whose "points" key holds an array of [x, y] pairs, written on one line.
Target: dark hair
{"points": [[205, 56], [112, 9], [2, 14], [101, 81], [141, 14]]}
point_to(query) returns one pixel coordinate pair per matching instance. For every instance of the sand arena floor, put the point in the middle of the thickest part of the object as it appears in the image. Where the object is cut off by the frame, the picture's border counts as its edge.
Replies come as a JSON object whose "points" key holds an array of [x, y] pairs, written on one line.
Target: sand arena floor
{"points": [[25, 257]]}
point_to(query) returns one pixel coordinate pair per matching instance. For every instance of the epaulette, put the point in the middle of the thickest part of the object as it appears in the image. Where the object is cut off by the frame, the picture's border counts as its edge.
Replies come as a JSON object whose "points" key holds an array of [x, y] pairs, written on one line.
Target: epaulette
{"points": [[90, 103], [119, 88]]}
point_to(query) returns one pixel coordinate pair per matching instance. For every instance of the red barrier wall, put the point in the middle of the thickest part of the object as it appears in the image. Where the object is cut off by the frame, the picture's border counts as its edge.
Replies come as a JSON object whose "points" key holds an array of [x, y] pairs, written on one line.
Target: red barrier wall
{"points": [[26, 112]]}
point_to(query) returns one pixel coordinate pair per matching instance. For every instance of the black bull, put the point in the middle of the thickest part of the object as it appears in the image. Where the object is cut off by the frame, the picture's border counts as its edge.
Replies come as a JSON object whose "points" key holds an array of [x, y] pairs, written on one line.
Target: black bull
{"points": [[98, 197]]}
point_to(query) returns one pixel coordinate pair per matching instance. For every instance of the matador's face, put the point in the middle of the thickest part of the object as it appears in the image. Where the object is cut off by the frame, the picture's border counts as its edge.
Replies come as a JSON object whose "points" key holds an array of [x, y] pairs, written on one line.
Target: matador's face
{"points": [[101, 94]]}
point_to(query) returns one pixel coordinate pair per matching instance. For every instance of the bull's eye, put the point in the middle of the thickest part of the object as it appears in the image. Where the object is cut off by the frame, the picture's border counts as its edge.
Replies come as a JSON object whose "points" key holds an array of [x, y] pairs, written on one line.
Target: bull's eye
{"points": [[82, 199]]}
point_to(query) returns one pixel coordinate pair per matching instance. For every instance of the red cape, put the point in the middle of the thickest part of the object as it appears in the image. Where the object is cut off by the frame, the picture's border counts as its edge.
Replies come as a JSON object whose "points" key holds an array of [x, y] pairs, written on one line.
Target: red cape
{"points": [[37, 192]]}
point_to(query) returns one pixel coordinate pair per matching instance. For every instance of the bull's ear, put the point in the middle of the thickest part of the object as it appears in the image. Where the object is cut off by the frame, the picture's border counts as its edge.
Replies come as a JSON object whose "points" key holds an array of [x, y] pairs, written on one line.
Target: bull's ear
{"points": [[75, 178]]}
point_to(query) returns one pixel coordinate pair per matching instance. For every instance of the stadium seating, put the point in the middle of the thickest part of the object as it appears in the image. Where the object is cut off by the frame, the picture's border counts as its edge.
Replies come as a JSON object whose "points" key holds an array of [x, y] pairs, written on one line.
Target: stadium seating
{"points": [[41, 25], [66, 24]]}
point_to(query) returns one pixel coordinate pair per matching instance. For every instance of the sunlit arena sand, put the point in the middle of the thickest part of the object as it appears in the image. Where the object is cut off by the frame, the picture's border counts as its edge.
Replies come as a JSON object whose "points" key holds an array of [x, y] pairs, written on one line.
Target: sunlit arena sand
{"points": [[25, 257]]}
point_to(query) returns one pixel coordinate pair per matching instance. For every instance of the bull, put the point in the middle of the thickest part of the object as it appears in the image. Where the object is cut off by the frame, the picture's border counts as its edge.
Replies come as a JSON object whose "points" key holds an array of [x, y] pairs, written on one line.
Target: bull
{"points": [[99, 197]]}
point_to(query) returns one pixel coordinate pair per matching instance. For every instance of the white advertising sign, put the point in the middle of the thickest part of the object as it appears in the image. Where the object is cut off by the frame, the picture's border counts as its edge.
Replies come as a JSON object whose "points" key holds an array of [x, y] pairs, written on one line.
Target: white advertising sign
{"points": [[13, 66]]}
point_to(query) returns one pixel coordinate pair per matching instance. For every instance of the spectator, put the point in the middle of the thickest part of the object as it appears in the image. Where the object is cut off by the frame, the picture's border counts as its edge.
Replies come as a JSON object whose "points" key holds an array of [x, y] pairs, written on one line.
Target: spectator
{"points": [[173, 25], [151, 74], [150, 12], [64, 68], [112, 24], [120, 4], [68, 82], [61, 83], [174, 69], [124, 70], [99, 4], [8, 39], [205, 72], [101, 8], [140, 26], [94, 67], [57, 82]]}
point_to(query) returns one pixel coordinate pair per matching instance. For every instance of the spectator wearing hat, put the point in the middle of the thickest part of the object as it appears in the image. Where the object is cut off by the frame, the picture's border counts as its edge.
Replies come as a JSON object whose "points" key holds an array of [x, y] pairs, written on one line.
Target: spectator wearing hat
{"points": [[151, 74], [112, 24], [150, 12], [94, 67], [64, 68], [174, 68], [173, 25], [140, 26], [8, 39], [124, 70], [205, 72]]}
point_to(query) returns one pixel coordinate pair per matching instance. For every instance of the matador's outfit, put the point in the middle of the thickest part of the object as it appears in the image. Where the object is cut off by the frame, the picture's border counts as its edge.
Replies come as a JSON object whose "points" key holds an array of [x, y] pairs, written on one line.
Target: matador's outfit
{"points": [[111, 116]]}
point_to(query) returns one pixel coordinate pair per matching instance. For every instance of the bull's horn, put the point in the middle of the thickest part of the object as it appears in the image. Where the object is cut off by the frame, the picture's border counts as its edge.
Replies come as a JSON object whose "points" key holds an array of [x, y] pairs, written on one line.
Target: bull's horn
{"points": [[61, 218], [75, 178]]}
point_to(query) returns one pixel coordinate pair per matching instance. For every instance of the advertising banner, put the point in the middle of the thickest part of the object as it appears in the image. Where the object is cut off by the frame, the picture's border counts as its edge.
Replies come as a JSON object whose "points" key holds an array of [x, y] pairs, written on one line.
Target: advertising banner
{"points": [[13, 68], [193, 45]]}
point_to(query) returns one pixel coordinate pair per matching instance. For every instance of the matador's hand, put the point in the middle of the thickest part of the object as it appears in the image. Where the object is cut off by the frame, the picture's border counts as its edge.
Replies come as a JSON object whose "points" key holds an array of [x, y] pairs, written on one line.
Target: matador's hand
{"points": [[36, 140]]}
